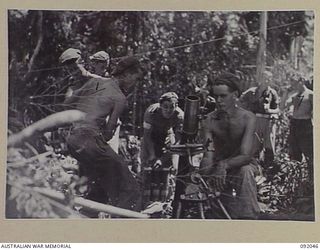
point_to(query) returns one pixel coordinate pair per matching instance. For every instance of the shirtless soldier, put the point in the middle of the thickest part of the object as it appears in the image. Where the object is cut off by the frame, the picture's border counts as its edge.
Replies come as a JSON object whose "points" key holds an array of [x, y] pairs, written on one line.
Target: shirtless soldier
{"points": [[228, 133]]}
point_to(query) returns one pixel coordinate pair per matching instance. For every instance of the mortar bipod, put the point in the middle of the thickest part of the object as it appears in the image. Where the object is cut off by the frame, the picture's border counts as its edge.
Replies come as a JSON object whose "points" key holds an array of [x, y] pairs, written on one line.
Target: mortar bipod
{"points": [[198, 193]]}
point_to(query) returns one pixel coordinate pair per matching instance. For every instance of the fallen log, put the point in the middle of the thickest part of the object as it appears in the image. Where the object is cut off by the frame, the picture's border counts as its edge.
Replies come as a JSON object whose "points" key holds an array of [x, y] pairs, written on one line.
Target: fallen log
{"points": [[93, 205]]}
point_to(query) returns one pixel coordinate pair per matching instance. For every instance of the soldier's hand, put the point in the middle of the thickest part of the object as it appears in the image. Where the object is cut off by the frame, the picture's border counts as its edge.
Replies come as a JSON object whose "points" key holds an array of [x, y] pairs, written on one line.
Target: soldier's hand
{"points": [[157, 164], [80, 61], [219, 175], [170, 140]]}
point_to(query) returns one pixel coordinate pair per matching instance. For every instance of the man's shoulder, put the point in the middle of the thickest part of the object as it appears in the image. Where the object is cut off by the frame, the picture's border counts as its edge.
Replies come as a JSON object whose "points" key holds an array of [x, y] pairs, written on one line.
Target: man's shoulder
{"points": [[152, 111], [89, 82], [107, 82], [151, 114], [246, 115], [153, 108], [211, 116], [107, 93], [112, 86]]}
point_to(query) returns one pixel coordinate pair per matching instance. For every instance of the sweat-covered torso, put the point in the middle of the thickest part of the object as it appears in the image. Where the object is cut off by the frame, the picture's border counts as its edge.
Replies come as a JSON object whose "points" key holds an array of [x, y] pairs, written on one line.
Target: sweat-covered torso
{"points": [[227, 132]]}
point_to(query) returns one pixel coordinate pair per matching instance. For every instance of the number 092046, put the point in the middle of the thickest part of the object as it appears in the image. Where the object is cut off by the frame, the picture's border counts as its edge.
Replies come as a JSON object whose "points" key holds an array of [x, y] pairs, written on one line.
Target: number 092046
{"points": [[309, 246]]}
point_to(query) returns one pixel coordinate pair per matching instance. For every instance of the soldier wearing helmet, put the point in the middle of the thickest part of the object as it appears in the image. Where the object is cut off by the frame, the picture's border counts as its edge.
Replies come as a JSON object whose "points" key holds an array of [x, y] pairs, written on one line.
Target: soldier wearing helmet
{"points": [[162, 124], [161, 127], [73, 65]]}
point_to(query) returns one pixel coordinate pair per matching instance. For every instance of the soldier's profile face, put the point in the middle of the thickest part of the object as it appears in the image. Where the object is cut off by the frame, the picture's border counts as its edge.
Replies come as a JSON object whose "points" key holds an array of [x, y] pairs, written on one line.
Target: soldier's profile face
{"points": [[99, 66], [168, 108], [131, 79], [224, 97], [70, 69]]}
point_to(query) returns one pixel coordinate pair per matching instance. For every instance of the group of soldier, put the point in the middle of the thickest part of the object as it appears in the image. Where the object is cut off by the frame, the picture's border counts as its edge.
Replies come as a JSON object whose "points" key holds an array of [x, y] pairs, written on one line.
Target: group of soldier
{"points": [[235, 132]]}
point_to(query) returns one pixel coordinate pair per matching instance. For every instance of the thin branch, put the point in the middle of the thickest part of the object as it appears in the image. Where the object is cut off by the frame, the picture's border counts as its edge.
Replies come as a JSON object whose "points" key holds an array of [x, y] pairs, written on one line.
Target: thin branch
{"points": [[39, 43], [23, 162]]}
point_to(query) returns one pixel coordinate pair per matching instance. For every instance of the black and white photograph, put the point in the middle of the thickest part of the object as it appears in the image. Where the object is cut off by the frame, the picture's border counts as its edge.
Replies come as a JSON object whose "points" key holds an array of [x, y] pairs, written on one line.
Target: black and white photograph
{"points": [[145, 115]]}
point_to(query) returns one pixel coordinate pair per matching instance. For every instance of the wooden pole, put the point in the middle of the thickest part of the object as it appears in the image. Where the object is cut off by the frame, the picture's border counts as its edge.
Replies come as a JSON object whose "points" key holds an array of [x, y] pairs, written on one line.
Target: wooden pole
{"points": [[261, 57], [134, 111]]}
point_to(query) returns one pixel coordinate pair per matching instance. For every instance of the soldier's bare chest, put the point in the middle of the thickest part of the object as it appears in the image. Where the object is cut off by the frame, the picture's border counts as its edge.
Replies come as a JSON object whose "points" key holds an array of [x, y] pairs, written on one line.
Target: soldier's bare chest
{"points": [[228, 128]]}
